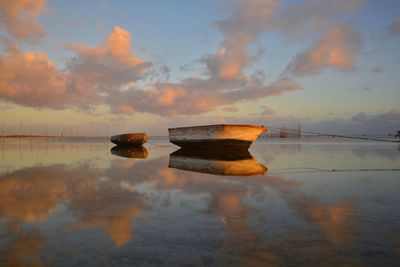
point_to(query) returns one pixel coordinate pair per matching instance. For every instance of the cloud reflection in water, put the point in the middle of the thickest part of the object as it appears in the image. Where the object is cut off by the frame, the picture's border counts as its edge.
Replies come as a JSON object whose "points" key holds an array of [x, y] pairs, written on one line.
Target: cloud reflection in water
{"points": [[135, 209]]}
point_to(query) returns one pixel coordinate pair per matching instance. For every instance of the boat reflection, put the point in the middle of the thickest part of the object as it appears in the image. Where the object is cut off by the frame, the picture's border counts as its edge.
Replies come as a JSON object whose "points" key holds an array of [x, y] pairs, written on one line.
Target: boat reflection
{"points": [[134, 152], [240, 163]]}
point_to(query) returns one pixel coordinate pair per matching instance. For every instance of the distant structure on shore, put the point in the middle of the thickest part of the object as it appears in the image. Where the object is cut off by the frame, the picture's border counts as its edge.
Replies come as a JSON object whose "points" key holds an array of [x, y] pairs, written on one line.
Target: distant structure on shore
{"points": [[284, 132]]}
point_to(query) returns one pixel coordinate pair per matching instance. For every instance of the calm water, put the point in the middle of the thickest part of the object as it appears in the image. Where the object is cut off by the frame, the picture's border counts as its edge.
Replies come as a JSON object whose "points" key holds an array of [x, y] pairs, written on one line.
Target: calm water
{"points": [[78, 204]]}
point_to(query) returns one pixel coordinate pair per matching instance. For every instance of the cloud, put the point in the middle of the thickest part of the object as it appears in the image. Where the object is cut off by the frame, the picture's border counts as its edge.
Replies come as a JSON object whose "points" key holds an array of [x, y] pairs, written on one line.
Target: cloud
{"points": [[109, 74], [313, 16], [338, 49], [390, 117], [362, 123], [394, 27], [18, 17], [246, 23], [225, 81], [112, 74], [195, 96], [108, 66], [31, 79]]}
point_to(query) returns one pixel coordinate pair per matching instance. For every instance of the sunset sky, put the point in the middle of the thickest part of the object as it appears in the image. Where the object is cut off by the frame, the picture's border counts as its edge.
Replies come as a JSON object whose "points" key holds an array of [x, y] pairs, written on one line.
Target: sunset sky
{"points": [[113, 66]]}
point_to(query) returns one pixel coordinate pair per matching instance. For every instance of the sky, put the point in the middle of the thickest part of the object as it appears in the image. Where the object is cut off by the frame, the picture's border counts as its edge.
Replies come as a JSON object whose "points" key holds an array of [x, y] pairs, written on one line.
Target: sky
{"points": [[103, 67]]}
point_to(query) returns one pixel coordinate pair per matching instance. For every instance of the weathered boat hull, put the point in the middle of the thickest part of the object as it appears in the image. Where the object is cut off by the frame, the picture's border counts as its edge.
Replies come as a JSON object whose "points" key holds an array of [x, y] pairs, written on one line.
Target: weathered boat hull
{"points": [[131, 139], [221, 136], [210, 144], [236, 164]]}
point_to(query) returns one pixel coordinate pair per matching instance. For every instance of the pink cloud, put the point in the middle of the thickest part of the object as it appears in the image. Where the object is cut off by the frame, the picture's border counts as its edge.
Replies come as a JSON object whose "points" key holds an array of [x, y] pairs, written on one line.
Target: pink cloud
{"points": [[112, 74], [108, 66], [226, 82], [338, 49], [246, 23], [108, 73], [195, 96], [31, 79], [18, 17]]}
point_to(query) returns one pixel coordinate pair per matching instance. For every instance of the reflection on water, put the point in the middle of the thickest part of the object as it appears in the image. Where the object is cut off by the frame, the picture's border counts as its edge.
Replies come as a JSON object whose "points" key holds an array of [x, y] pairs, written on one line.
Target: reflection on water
{"points": [[79, 205], [242, 163], [134, 152]]}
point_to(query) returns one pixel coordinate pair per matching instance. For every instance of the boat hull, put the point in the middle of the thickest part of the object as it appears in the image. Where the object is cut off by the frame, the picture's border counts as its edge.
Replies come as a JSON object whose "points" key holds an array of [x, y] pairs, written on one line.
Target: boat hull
{"points": [[212, 144], [131, 139], [221, 136]]}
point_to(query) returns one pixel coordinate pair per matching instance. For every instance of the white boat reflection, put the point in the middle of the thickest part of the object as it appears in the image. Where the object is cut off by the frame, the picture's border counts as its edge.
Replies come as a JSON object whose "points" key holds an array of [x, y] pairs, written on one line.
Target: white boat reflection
{"points": [[241, 163], [134, 152]]}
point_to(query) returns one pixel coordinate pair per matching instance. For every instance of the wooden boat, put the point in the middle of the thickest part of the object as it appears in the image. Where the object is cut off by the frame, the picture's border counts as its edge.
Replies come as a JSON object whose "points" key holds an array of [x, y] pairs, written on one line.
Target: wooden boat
{"points": [[220, 136], [130, 139], [232, 164], [133, 152]]}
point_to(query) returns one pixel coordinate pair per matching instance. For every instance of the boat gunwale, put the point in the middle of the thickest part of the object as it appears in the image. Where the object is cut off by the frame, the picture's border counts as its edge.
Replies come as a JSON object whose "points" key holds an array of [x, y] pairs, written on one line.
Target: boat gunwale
{"points": [[142, 135], [224, 124]]}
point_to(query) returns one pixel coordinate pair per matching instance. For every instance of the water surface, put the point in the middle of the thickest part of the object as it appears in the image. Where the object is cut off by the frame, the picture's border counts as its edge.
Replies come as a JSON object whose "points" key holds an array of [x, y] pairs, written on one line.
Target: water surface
{"points": [[314, 202]]}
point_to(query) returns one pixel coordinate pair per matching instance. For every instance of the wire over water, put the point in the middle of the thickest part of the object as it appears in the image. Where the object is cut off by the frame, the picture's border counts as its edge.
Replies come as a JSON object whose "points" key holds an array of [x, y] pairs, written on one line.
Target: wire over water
{"points": [[342, 136], [309, 170]]}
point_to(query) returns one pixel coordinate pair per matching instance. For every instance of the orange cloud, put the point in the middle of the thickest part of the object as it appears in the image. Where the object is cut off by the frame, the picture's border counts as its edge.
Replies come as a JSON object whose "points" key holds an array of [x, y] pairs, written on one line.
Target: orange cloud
{"points": [[169, 94], [232, 57], [117, 49], [247, 22], [108, 73], [195, 96], [108, 66], [112, 74], [18, 17], [226, 82], [338, 49], [31, 79]]}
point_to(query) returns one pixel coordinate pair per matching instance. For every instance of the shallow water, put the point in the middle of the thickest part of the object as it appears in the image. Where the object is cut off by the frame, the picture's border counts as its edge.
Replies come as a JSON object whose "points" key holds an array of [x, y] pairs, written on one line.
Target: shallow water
{"points": [[313, 202]]}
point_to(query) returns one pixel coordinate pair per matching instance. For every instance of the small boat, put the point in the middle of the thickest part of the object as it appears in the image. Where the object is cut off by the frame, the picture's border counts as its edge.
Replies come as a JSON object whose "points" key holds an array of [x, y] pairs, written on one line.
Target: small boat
{"points": [[220, 136], [133, 152], [231, 164], [130, 139]]}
